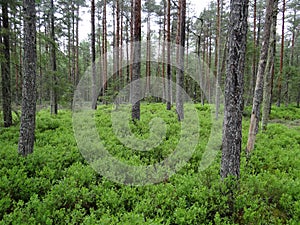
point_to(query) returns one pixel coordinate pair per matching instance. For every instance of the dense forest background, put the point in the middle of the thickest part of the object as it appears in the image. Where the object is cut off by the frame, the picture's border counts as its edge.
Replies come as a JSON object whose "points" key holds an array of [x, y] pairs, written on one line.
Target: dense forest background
{"points": [[56, 83]]}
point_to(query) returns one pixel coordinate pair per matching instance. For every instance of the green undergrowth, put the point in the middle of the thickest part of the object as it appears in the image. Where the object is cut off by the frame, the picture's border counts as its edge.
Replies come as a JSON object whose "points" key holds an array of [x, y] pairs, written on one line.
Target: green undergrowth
{"points": [[55, 185]]}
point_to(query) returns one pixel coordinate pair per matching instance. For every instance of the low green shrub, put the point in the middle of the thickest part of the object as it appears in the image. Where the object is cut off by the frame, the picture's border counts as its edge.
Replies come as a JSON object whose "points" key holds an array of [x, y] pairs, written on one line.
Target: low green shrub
{"points": [[55, 185]]}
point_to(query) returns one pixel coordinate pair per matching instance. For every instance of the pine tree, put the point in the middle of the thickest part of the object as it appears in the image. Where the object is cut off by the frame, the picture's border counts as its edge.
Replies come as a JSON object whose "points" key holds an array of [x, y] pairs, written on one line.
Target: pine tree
{"points": [[27, 126], [136, 70], [5, 67], [232, 129], [258, 93]]}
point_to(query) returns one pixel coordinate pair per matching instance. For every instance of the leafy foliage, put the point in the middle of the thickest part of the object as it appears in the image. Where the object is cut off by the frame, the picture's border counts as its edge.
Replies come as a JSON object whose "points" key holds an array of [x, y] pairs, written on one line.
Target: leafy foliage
{"points": [[55, 185]]}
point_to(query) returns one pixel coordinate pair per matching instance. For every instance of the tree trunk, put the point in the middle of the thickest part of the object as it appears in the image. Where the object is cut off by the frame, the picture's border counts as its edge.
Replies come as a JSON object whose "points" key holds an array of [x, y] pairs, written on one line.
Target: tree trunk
{"points": [[169, 91], [148, 62], [127, 52], [104, 51], [117, 45], [258, 93], [136, 88], [232, 129], [268, 80], [163, 31], [5, 68], [27, 126], [121, 47], [93, 43], [180, 67], [281, 55], [76, 80], [218, 56], [254, 59], [54, 95]]}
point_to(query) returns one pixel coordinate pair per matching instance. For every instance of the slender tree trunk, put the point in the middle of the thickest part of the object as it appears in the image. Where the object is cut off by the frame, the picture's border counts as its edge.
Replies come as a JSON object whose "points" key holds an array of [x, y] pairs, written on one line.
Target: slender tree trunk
{"points": [[180, 68], [54, 95], [169, 75], [281, 56], [131, 39], [209, 61], [254, 59], [121, 47], [164, 49], [69, 47], [77, 47], [294, 29], [104, 51], [93, 43], [73, 44], [148, 63], [269, 75], [40, 76], [187, 85], [5, 68], [27, 126], [232, 129], [258, 94], [127, 52], [136, 86], [218, 56], [117, 44], [203, 66]]}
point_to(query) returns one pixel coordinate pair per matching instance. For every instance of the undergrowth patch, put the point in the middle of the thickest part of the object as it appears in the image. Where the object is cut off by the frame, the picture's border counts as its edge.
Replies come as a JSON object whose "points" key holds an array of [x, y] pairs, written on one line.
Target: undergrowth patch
{"points": [[55, 185]]}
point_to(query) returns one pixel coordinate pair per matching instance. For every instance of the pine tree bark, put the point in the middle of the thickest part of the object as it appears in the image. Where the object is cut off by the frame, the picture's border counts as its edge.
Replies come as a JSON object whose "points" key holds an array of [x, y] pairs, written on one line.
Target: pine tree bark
{"points": [[5, 68], [169, 91], [254, 59], [218, 55], [117, 44], [232, 129], [93, 47], [104, 46], [258, 93], [76, 79], [148, 62], [136, 70], [54, 94], [269, 75], [27, 126], [180, 67]]}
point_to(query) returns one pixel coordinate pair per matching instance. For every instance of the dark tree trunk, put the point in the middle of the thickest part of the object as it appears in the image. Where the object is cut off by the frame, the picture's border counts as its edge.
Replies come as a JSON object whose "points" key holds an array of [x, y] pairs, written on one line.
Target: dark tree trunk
{"points": [[254, 59], [258, 93], [27, 127], [5, 68], [104, 47], [169, 91], [232, 129], [54, 95], [163, 34], [121, 46], [127, 52], [148, 62], [136, 73], [76, 79], [218, 56], [93, 43], [180, 67], [117, 44]]}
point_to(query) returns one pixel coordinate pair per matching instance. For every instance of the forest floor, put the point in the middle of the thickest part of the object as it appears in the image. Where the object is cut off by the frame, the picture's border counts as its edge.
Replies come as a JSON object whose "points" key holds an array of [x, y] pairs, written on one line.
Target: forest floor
{"points": [[56, 184]]}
